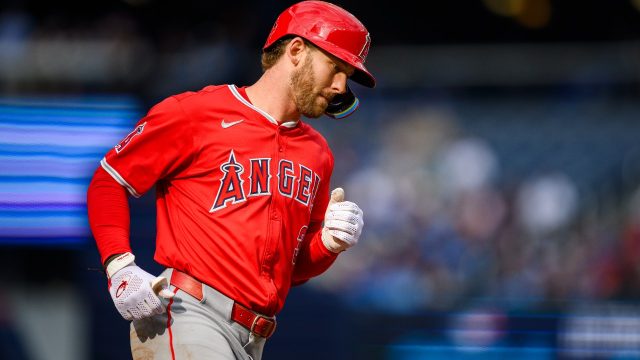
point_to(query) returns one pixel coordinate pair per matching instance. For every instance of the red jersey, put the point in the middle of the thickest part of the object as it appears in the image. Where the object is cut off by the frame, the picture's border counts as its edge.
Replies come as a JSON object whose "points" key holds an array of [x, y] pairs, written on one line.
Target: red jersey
{"points": [[240, 199]]}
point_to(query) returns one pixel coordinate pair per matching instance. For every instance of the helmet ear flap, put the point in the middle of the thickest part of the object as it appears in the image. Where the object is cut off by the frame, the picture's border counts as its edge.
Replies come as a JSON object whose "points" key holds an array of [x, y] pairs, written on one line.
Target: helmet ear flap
{"points": [[343, 105]]}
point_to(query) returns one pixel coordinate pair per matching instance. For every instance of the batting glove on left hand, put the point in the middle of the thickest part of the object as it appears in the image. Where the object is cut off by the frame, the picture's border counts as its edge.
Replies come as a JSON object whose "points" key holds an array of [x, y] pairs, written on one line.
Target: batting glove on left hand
{"points": [[134, 291], [343, 223]]}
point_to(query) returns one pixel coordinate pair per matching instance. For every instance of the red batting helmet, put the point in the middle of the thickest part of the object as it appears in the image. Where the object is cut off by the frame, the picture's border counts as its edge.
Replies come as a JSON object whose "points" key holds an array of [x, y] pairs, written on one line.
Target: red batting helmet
{"points": [[332, 29]]}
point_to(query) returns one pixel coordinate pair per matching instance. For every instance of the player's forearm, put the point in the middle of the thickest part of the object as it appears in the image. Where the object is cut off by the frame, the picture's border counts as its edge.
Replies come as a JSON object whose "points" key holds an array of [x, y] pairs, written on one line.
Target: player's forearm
{"points": [[108, 211], [313, 259]]}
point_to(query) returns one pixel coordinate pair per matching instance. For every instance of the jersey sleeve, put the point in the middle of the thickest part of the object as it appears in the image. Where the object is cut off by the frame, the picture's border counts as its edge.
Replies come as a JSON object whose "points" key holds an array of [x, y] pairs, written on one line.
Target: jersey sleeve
{"points": [[160, 145]]}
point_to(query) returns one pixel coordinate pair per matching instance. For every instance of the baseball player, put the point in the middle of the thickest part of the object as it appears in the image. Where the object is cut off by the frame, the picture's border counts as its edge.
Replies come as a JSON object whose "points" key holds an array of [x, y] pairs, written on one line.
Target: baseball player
{"points": [[244, 210]]}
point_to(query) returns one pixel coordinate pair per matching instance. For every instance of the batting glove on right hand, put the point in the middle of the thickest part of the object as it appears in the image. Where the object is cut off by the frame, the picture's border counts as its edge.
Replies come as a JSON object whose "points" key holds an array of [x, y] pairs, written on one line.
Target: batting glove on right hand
{"points": [[343, 223], [134, 291]]}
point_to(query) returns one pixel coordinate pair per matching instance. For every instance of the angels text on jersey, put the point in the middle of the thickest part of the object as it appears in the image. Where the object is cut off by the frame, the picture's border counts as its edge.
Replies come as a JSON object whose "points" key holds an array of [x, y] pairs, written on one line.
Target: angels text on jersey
{"points": [[295, 181]]}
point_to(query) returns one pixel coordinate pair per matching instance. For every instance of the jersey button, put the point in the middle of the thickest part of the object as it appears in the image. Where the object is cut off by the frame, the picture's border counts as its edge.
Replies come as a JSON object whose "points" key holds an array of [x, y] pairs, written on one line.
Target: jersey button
{"points": [[281, 149]]}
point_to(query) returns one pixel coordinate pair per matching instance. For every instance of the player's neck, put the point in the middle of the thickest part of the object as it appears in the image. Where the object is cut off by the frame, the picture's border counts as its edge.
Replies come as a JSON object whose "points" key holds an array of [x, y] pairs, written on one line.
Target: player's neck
{"points": [[272, 95]]}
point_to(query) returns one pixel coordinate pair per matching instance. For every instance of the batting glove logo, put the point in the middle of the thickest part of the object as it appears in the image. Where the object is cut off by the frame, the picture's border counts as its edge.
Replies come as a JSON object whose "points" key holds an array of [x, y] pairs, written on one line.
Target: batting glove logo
{"points": [[123, 286]]}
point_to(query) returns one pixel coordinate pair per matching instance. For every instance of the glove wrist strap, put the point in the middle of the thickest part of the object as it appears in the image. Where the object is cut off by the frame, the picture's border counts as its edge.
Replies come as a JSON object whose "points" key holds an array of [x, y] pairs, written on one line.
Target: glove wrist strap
{"points": [[329, 243], [119, 262]]}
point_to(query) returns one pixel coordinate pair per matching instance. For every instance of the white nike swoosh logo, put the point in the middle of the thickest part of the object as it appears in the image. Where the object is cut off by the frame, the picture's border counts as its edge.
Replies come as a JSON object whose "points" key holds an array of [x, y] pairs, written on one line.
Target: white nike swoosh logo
{"points": [[225, 124]]}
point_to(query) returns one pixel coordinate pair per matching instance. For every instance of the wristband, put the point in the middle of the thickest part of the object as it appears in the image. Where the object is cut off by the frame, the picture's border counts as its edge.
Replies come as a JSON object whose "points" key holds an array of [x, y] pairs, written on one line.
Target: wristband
{"points": [[119, 262]]}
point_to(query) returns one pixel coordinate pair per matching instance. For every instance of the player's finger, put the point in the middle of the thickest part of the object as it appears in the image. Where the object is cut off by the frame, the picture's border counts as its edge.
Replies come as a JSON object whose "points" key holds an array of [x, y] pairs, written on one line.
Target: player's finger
{"points": [[345, 237], [337, 195], [160, 310], [160, 286], [346, 206], [155, 306], [341, 225], [144, 310], [344, 216]]}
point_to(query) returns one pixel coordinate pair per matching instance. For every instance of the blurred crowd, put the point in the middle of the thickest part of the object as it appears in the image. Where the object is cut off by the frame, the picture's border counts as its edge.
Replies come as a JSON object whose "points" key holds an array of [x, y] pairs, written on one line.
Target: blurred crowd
{"points": [[142, 47], [444, 230]]}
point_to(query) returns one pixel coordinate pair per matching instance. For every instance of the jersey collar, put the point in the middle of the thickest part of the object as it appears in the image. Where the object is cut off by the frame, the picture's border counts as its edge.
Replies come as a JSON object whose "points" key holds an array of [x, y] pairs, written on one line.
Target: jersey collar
{"points": [[236, 93]]}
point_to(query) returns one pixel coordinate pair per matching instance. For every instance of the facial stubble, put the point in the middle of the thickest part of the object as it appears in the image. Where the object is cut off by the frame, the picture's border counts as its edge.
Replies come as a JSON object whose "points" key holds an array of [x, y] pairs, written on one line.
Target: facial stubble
{"points": [[304, 95]]}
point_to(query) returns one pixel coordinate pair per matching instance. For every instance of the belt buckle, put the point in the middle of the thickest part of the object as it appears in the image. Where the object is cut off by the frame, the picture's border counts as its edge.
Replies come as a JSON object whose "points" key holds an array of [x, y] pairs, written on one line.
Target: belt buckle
{"points": [[269, 320]]}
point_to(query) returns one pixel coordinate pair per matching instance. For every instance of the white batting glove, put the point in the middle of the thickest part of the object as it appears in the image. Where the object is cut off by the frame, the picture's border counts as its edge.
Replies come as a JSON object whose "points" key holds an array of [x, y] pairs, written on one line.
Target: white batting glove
{"points": [[342, 223], [134, 291]]}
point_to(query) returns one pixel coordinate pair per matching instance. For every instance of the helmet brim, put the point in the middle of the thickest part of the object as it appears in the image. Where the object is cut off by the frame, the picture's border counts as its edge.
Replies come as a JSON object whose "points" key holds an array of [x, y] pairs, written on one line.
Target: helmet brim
{"points": [[361, 75]]}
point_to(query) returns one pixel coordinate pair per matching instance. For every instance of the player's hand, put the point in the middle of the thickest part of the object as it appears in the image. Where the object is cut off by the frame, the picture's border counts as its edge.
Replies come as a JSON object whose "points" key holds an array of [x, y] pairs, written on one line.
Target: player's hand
{"points": [[342, 223], [134, 291]]}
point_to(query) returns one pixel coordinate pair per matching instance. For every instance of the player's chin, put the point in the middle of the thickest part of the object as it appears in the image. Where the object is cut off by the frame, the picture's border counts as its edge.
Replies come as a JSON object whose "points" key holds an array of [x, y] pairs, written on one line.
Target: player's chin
{"points": [[314, 114], [318, 109]]}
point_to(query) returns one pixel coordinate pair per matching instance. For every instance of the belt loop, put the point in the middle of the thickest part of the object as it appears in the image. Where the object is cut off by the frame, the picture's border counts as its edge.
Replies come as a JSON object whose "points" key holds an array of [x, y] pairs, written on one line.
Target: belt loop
{"points": [[188, 284]]}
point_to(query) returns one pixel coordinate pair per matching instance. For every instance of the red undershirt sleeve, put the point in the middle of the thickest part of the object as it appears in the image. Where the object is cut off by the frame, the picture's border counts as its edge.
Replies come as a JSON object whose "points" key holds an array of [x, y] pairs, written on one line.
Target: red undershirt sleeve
{"points": [[108, 210]]}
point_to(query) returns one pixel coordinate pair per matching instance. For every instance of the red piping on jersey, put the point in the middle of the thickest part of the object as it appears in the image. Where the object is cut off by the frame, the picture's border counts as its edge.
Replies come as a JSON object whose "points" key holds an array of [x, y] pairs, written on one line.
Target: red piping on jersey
{"points": [[173, 354]]}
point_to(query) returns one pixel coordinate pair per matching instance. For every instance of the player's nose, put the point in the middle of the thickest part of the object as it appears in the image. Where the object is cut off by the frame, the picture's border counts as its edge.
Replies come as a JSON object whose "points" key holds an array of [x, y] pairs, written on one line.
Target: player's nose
{"points": [[339, 84]]}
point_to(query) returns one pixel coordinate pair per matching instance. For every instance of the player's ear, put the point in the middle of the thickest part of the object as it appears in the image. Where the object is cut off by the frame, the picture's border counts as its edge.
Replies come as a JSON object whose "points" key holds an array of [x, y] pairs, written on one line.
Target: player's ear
{"points": [[296, 50]]}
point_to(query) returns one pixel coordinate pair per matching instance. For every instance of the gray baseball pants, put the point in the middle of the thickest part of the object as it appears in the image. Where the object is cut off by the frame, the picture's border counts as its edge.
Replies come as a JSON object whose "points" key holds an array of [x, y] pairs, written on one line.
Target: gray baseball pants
{"points": [[194, 330]]}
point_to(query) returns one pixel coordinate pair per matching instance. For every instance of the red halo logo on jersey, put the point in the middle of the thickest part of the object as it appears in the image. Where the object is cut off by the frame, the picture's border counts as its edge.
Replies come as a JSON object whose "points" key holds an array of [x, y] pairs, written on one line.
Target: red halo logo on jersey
{"points": [[137, 131], [230, 184]]}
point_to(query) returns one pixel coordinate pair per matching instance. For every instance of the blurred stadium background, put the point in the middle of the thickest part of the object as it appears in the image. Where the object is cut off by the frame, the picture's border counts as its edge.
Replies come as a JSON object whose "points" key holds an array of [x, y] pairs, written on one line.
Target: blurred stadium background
{"points": [[497, 164]]}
